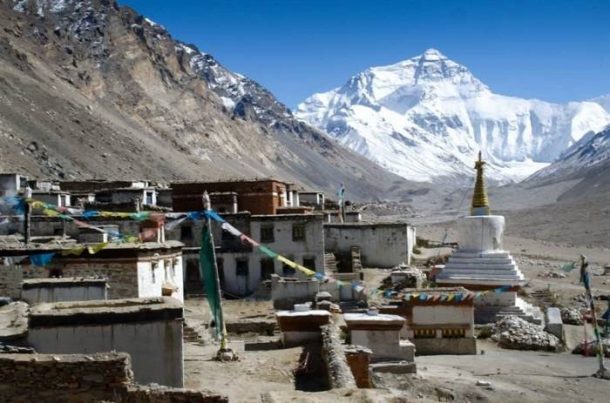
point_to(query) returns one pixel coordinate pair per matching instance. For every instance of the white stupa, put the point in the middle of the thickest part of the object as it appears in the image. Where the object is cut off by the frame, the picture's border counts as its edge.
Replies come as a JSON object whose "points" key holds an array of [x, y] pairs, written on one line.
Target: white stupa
{"points": [[481, 264]]}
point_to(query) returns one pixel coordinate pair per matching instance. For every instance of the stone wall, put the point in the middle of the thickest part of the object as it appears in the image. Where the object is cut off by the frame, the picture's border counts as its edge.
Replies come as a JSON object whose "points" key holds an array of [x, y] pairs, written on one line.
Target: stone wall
{"points": [[10, 281], [359, 359], [286, 293], [333, 355], [83, 378], [62, 378]]}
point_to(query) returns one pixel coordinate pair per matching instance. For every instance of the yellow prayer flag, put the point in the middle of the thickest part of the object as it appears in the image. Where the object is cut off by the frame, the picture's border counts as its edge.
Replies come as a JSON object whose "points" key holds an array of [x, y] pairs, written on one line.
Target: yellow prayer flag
{"points": [[93, 249], [74, 251]]}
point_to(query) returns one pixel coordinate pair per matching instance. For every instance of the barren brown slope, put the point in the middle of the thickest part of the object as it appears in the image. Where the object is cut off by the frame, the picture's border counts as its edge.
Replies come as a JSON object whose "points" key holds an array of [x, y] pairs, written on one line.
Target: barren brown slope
{"points": [[92, 90]]}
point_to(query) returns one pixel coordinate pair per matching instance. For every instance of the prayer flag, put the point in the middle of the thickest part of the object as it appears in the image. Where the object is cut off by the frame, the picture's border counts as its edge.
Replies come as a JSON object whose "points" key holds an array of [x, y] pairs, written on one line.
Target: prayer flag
{"points": [[42, 259], [207, 267], [267, 252]]}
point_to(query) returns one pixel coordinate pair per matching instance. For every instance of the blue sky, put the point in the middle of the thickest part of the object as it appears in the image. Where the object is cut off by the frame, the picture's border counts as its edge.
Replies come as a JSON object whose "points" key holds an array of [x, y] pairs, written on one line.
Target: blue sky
{"points": [[555, 50]]}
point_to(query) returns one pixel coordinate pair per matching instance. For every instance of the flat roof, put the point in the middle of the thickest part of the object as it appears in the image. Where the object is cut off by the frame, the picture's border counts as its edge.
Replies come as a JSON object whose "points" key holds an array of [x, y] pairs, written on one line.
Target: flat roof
{"points": [[27, 284], [272, 217], [366, 224], [17, 247], [103, 312]]}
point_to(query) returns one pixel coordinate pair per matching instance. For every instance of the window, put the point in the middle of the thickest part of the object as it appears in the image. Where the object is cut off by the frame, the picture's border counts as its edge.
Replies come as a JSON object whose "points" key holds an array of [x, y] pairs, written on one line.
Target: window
{"points": [[298, 232], [288, 271], [267, 268], [227, 236], [267, 233], [192, 270], [310, 263], [241, 267], [149, 198], [186, 233]]}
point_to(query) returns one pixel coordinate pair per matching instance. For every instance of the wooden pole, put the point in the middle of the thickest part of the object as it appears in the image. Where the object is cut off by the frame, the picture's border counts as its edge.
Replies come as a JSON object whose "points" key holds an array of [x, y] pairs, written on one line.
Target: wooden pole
{"points": [[207, 205], [584, 276], [27, 215]]}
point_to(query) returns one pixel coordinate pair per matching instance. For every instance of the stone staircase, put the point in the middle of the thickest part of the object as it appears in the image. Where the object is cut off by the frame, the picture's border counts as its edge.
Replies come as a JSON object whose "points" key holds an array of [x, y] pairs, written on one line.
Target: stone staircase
{"points": [[523, 310], [330, 263], [356, 262], [190, 335]]}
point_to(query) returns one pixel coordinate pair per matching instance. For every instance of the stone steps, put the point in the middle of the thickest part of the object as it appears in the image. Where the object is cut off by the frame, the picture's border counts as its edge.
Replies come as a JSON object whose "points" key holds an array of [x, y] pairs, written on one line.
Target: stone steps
{"points": [[481, 255], [190, 335], [479, 276], [481, 262], [330, 262]]}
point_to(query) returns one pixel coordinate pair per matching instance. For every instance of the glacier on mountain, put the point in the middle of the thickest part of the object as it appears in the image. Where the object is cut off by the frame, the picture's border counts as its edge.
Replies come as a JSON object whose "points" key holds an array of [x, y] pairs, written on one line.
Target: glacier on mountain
{"points": [[427, 117]]}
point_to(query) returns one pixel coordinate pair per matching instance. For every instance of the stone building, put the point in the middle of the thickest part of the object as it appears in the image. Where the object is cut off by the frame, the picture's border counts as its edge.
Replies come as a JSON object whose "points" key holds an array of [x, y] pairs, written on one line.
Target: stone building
{"points": [[11, 184], [149, 329], [131, 269], [59, 198], [256, 196], [381, 245], [298, 237], [147, 196], [312, 199]]}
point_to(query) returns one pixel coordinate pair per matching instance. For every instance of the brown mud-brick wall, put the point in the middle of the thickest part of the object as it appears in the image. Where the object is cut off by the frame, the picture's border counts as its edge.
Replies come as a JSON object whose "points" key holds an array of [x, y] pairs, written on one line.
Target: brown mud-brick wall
{"points": [[358, 360], [257, 197]]}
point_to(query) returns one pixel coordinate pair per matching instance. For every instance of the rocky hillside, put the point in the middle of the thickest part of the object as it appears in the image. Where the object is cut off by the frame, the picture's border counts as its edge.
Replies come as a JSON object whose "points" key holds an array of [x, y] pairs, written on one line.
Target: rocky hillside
{"points": [[89, 89]]}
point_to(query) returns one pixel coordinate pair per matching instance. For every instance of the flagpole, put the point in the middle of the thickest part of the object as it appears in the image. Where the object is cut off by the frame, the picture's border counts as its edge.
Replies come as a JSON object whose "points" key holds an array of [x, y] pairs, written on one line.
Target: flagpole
{"points": [[207, 205], [224, 353], [586, 279]]}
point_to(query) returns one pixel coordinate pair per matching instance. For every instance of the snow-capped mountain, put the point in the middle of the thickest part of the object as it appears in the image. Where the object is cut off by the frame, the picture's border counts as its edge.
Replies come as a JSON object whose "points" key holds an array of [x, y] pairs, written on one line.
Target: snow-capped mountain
{"points": [[427, 117], [591, 153], [604, 101]]}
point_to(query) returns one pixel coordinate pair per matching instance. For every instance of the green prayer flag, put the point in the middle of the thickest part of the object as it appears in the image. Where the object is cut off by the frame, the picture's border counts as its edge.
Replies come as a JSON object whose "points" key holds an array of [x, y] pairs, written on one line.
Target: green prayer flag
{"points": [[267, 251], [207, 270]]}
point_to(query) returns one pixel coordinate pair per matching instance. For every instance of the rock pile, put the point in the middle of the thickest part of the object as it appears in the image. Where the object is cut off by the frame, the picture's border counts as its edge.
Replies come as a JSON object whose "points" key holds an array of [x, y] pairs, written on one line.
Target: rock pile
{"points": [[552, 274], [515, 333], [572, 316]]}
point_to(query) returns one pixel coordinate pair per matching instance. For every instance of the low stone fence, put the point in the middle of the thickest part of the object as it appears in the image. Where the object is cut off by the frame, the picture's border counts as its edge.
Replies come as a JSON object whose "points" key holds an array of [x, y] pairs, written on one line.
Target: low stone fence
{"points": [[333, 354], [83, 378]]}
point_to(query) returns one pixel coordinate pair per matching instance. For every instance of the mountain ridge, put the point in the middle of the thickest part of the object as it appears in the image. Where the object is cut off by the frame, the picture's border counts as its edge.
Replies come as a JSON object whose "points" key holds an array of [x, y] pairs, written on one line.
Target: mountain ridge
{"points": [[427, 117], [91, 89]]}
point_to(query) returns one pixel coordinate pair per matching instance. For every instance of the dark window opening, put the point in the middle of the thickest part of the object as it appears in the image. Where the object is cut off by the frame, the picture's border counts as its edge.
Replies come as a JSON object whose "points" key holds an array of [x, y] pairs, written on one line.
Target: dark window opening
{"points": [[241, 267], [192, 271], [227, 236], [186, 233], [267, 268], [298, 232], [267, 234], [288, 271], [310, 263]]}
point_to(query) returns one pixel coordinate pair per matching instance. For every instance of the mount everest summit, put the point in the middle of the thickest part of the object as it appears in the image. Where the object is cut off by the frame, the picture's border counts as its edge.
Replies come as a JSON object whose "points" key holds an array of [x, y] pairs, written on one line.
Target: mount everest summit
{"points": [[427, 117]]}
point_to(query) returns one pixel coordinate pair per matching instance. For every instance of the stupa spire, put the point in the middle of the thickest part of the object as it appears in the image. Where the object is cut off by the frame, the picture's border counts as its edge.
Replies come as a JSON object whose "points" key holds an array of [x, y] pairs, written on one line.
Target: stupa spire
{"points": [[480, 202]]}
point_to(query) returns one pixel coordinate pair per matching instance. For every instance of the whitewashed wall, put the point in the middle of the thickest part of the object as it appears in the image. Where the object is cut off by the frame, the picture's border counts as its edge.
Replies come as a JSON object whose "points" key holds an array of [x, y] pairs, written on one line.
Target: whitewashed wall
{"points": [[381, 245]]}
